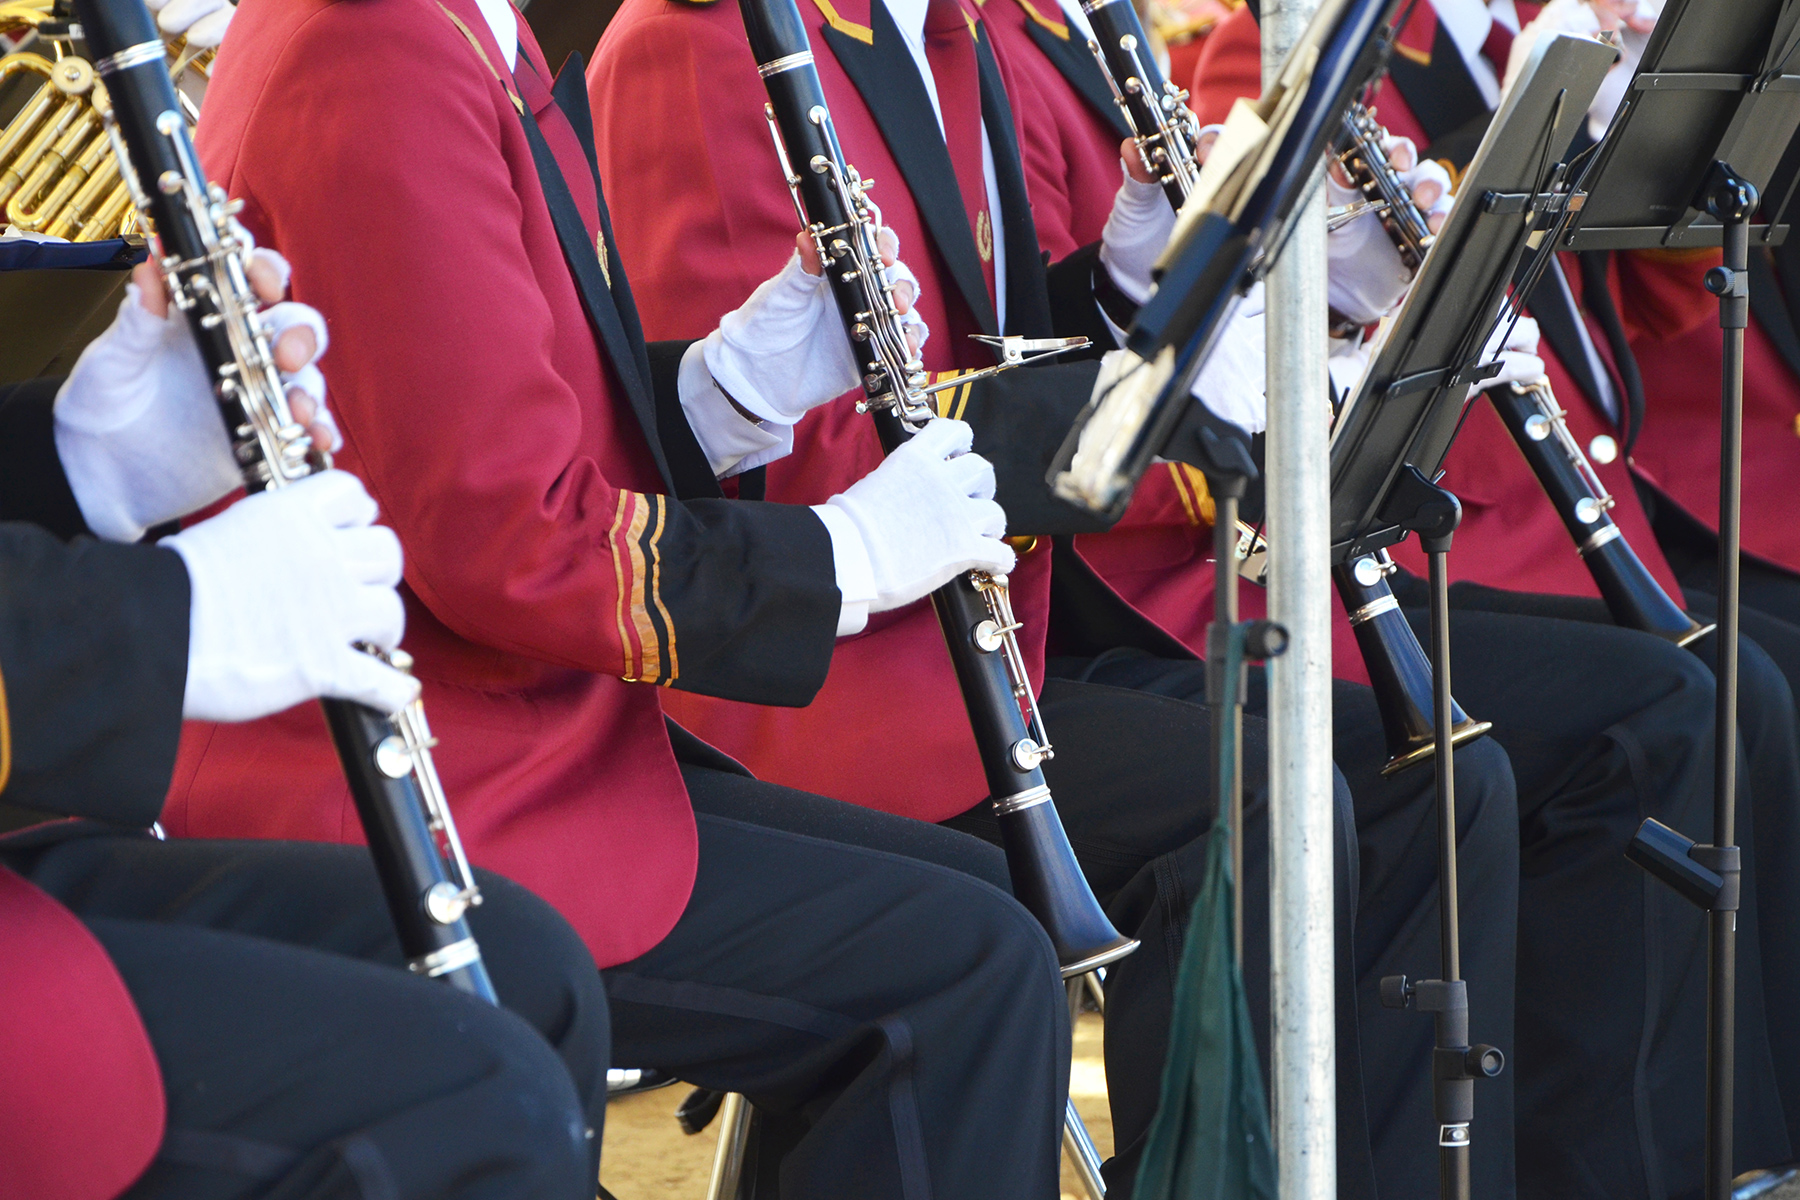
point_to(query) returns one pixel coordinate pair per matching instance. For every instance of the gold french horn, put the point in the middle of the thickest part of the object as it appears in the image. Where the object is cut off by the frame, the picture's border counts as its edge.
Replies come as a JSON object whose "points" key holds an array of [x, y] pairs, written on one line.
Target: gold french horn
{"points": [[58, 174]]}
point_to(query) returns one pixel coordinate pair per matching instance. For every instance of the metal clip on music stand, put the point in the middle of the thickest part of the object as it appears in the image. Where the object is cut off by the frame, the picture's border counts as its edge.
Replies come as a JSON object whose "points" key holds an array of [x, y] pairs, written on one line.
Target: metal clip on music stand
{"points": [[1696, 139], [1389, 443]]}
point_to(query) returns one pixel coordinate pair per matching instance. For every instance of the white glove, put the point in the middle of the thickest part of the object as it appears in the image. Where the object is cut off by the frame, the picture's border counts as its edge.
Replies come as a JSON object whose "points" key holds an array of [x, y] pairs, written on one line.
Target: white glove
{"points": [[1136, 232], [203, 21], [1519, 361], [1632, 19], [282, 583], [1366, 275], [1234, 381], [137, 428], [783, 352], [927, 514]]}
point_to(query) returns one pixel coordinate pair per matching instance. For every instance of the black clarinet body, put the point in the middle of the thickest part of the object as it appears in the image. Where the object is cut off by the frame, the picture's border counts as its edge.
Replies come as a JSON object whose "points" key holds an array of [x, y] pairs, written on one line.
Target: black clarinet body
{"points": [[1540, 427], [974, 610], [1399, 672], [428, 886], [1163, 126], [1537, 424]]}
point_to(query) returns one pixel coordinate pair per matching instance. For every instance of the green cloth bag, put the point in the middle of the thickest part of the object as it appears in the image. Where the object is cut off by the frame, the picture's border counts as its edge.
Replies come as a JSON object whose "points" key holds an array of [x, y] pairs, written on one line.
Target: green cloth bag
{"points": [[1210, 1139]]}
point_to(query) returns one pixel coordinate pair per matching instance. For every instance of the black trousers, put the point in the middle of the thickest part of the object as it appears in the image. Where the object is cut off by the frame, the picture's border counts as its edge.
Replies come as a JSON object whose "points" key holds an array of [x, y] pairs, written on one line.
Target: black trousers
{"points": [[1768, 820], [1131, 780], [898, 1022], [301, 1060]]}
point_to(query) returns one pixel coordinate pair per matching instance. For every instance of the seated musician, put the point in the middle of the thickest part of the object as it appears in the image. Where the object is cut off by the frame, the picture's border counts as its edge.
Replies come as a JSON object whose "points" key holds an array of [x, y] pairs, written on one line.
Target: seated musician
{"points": [[570, 556], [967, 186], [229, 1019], [732, 222]]}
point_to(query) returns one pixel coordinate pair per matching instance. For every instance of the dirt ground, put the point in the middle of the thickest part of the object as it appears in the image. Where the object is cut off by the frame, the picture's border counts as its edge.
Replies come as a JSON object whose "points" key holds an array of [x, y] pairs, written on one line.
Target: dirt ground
{"points": [[647, 1157]]}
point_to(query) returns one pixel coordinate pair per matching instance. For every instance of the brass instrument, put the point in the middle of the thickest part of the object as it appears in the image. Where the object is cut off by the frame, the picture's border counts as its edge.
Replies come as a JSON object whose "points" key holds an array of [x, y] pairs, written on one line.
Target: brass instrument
{"points": [[59, 176], [1539, 426]]}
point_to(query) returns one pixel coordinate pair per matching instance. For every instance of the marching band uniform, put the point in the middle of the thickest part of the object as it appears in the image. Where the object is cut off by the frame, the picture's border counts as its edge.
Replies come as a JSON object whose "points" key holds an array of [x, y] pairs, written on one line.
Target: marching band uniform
{"points": [[1676, 451], [569, 556], [1510, 545], [215, 1019], [701, 210]]}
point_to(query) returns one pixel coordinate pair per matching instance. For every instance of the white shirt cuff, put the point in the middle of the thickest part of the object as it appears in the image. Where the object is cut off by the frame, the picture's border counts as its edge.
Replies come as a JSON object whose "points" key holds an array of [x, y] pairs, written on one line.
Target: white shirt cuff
{"points": [[732, 445], [855, 574]]}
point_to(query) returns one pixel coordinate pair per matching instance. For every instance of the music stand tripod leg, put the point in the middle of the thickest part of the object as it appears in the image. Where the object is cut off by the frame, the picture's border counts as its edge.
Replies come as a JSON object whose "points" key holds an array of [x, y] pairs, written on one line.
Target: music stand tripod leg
{"points": [[1433, 513]]}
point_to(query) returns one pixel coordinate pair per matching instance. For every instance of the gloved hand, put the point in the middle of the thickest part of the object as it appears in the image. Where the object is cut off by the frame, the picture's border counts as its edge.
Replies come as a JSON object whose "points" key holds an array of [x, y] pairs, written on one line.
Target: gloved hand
{"points": [[137, 428], [1632, 20], [927, 514], [282, 583], [1138, 227], [203, 21], [1519, 361], [1366, 275], [783, 352]]}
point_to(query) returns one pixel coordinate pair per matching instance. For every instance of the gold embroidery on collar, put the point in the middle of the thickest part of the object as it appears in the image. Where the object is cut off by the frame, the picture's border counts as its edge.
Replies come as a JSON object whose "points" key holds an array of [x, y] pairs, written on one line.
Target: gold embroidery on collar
{"points": [[984, 236], [861, 33]]}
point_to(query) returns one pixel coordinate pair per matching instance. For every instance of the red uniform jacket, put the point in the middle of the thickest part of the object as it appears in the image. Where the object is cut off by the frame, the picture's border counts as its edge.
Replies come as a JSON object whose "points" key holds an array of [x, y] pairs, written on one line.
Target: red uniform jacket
{"points": [[1510, 536], [1678, 450], [702, 216], [549, 582]]}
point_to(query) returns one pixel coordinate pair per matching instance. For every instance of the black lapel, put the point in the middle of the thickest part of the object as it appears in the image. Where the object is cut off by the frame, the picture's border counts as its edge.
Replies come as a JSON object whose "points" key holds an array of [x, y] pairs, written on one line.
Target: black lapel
{"points": [[1076, 62], [624, 351], [883, 73], [1027, 291], [1441, 95], [1773, 311], [1553, 308]]}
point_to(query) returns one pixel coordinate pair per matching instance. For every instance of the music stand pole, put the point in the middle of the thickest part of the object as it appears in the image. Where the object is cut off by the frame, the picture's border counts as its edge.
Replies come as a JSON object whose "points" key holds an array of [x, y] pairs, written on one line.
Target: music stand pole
{"points": [[1731, 200], [1421, 506]]}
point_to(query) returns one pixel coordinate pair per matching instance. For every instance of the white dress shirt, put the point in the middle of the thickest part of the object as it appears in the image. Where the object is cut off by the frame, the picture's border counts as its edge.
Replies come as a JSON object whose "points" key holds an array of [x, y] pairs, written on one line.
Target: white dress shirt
{"points": [[1468, 23], [909, 15]]}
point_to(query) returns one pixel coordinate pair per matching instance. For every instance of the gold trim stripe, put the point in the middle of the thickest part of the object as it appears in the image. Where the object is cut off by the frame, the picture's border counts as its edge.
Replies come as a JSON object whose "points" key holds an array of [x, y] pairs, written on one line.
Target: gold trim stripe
{"points": [[612, 540], [861, 33], [5, 738], [504, 81], [1187, 501], [656, 588], [1059, 28], [649, 649]]}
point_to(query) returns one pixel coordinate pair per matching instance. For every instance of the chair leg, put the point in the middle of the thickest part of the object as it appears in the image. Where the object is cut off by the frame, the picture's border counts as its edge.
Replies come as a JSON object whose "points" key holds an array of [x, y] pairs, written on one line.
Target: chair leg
{"points": [[1082, 1155], [1076, 1141], [728, 1159]]}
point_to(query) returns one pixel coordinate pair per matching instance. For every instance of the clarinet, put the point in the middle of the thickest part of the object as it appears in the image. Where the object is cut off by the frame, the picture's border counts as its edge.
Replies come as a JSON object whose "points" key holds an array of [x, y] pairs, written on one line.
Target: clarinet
{"points": [[1166, 133], [1164, 128], [974, 610], [424, 873], [1383, 191], [1539, 425]]}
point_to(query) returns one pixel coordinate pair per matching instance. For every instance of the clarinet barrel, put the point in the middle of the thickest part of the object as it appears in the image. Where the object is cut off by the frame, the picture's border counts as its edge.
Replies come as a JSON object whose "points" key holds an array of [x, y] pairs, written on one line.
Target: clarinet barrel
{"points": [[386, 758]]}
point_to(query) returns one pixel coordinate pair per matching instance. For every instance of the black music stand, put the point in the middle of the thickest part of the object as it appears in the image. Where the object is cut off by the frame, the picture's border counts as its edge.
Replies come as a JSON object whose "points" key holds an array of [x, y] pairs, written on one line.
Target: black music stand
{"points": [[71, 291], [1390, 440], [1696, 139]]}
